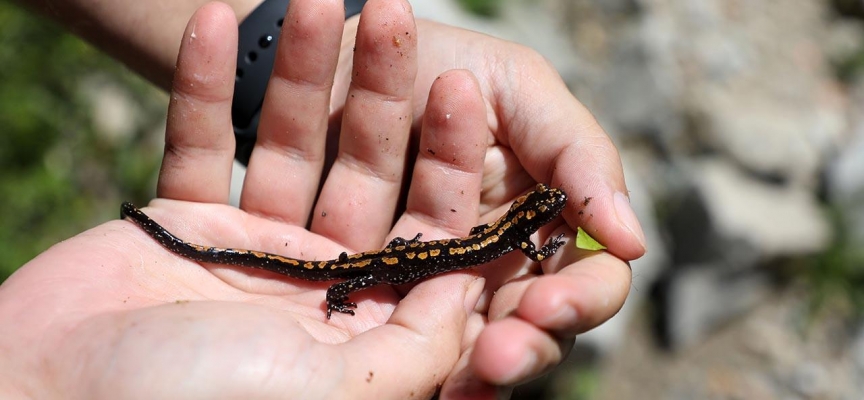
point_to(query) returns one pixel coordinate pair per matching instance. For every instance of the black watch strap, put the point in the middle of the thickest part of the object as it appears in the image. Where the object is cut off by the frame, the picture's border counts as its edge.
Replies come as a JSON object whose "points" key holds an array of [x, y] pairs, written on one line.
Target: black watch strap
{"points": [[259, 33]]}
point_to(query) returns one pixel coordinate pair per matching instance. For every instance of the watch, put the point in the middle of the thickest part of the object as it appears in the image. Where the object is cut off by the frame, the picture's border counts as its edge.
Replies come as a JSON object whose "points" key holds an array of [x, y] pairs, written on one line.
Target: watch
{"points": [[259, 34]]}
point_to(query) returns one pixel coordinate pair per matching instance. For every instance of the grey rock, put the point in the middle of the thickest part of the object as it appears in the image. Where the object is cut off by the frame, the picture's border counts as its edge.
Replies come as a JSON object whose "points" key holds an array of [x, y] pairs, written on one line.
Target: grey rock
{"points": [[857, 353], [845, 178], [777, 219], [810, 380], [700, 298]]}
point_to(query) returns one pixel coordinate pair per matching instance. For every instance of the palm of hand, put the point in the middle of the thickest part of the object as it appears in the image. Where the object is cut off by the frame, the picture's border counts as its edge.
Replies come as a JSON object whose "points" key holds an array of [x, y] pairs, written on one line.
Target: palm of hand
{"points": [[119, 304]]}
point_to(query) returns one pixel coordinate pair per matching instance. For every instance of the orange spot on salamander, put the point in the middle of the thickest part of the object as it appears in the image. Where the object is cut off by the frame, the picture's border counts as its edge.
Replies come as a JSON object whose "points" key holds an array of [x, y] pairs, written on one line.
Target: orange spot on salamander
{"points": [[281, 259]]}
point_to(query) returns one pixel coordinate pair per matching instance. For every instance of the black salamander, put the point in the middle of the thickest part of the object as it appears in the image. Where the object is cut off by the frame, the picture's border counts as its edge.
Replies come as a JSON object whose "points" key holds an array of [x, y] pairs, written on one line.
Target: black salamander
{"points": [[401, 261]]}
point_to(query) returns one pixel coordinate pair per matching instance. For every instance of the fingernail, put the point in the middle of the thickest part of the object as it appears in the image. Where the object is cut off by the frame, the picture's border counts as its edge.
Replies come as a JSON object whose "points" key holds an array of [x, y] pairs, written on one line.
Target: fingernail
{"points": [[564, 318], [523, 368], [472, 295], [627, 217]]}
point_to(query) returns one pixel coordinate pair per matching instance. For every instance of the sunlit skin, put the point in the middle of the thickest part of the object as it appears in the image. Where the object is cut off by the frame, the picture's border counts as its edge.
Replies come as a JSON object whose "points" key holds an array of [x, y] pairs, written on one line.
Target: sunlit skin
{"points": [[110, 313]]}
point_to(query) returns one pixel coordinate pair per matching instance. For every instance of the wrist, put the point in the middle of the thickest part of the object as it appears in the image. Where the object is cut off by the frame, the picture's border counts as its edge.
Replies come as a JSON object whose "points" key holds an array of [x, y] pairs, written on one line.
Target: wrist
{"points": [[144, 35]]}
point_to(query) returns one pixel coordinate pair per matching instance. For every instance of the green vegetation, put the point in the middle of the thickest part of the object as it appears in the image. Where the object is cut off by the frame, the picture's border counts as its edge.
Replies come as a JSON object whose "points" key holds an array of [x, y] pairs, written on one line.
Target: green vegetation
{"points": [[483, 8], [584, 241], [576, 382], [835, 277], [59, 173]]}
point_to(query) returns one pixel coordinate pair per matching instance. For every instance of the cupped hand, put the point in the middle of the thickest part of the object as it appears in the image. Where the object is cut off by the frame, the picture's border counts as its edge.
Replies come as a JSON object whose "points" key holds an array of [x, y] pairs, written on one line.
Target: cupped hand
{"points": [[535, 131], [110, 313]]}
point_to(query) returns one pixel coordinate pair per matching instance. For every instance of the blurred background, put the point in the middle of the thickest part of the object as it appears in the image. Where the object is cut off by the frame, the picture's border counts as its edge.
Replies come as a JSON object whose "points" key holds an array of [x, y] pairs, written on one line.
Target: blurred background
{"points": [[740, 127], [78, 133]]}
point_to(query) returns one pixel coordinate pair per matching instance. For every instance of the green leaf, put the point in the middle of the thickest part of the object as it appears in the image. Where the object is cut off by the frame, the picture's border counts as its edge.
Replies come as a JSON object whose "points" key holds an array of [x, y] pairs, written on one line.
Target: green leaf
{"points": [[584, 241]]}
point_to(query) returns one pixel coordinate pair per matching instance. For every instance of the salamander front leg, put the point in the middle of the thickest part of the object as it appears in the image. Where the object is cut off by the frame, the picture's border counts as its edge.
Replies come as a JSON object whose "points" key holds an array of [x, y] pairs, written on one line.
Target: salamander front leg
{"points": [[337, 294], [527, 247], [479, 228]]}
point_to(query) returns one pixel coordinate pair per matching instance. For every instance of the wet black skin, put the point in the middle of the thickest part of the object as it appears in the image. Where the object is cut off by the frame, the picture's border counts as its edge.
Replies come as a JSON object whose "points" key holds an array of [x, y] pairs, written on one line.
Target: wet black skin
{"points": [[401, 261]]}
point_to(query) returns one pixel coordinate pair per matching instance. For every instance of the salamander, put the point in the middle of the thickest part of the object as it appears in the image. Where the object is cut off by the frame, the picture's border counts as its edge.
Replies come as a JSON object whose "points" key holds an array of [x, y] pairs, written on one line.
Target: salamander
{"points": [[401, 261]]}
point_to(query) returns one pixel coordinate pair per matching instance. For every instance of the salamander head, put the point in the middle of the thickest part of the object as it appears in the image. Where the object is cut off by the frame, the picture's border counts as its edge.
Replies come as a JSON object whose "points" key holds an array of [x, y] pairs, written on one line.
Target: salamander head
{"points": [[537, 208]]}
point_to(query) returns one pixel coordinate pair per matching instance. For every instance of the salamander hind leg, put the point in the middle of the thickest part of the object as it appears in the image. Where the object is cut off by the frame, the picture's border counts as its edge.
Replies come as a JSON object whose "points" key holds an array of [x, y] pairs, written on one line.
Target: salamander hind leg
{"points": [[400, 241], [337, 294], [527, 247]]}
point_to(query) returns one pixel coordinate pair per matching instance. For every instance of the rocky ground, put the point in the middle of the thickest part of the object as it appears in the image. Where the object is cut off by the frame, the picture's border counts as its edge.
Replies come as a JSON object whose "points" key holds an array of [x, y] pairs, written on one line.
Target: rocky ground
{"points": [[776, 350]]}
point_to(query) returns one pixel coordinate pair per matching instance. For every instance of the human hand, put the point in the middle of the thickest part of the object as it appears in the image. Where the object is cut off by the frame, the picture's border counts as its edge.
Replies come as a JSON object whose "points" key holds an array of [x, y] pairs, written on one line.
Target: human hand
{"points": [[118, 298], [111, 314], [536, 131]]}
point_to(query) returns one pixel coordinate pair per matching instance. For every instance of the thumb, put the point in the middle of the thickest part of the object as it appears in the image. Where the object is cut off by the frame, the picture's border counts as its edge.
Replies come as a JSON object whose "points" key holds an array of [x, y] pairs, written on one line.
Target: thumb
{"points": [[411, 355]]}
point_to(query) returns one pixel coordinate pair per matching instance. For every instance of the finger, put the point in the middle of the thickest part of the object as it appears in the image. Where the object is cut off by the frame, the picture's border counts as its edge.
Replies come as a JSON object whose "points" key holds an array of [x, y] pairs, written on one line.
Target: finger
{"points": [[559, 142], [199, 140], [293, 127], [358, 200], [426, 340], [445, 186], [511, 350], [444, 194], [584, 294], [463, 383]]}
